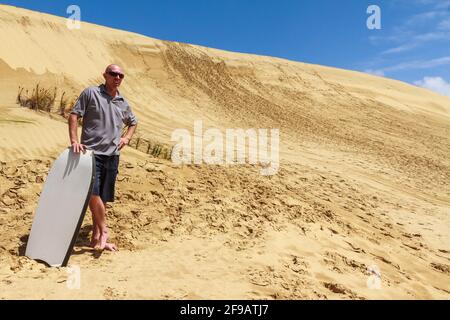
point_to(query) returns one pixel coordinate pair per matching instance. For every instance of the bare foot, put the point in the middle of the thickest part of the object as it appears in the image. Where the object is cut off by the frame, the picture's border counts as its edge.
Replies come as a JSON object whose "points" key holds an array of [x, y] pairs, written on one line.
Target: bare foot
{"points": [[111, 247], [94, 242], [102, 244], [95, 238], [102, 240], [108, 246]]}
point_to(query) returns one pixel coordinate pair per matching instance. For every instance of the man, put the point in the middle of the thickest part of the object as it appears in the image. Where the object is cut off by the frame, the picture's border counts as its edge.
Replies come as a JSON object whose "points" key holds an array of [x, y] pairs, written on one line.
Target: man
{"points": [[104, 111]]}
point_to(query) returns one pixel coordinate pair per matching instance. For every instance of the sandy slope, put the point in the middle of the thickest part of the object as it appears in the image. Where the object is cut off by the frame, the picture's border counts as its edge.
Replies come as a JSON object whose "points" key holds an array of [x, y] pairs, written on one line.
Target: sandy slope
{"points": [[364, 176]]}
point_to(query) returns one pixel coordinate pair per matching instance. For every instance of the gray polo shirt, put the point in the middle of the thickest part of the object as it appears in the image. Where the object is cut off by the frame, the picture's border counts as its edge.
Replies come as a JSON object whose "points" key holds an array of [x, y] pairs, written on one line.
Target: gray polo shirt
{"points": [[103, 119]]}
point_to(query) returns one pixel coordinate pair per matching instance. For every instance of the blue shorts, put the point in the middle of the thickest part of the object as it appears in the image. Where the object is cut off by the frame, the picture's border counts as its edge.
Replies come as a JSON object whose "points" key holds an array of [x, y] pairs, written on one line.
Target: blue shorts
{"points": [[106, 170]]}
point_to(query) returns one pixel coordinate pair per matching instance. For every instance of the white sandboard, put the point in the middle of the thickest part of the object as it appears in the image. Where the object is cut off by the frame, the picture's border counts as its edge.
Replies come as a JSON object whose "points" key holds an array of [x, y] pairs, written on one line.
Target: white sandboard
{"points": [[61, 209]]}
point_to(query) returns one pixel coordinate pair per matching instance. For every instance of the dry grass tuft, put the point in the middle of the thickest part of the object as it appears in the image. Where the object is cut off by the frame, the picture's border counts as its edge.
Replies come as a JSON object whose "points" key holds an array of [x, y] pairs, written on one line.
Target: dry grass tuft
{"points": [[40, 99]]}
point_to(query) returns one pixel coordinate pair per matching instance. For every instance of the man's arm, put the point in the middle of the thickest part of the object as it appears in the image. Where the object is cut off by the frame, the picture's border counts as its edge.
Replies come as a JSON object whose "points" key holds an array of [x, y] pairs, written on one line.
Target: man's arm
{"points": [[127, 137], [73, 133]]}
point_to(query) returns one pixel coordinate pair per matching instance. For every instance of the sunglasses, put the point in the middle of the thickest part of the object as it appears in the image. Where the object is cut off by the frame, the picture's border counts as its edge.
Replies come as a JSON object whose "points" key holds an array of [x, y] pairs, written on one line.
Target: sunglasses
{"points": [[115, 74]]}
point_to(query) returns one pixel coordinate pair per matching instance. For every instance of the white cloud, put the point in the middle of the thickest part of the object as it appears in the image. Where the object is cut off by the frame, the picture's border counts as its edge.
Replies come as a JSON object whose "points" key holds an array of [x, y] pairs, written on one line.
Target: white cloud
{"points": [[379, 73], [443, 4], [426, 30], [421, 39], [424, 18], [444, 25], [431, 36], [418, 30], [436, 84], [438, 4], [402, 48], [417, 64]]}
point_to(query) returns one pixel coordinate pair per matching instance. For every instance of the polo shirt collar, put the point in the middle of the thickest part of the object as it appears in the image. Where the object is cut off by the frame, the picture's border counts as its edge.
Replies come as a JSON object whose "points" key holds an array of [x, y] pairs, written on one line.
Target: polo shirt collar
{"points": [[103, 89]]}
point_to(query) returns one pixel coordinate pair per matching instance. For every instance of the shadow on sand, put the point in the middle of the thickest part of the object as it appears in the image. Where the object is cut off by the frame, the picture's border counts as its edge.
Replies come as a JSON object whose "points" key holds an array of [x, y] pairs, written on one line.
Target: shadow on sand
{"points": [[82, 245]]}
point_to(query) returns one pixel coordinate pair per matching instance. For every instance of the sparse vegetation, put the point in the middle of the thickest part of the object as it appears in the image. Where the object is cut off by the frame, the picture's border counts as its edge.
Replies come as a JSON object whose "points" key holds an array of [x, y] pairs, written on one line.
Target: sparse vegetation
{"points": [[153, 148], [42, 99], [65, 105], [162, 151]]}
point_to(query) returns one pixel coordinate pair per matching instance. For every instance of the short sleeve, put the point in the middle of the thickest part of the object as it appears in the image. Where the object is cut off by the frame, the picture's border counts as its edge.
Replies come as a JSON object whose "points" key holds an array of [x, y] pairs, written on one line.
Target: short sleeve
{"points": [[129, 118], [81, 104]]}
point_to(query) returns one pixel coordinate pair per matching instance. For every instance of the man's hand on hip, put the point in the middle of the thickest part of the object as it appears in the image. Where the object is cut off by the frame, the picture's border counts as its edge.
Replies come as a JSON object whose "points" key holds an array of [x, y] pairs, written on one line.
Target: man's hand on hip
{"points": [[123, 142]]}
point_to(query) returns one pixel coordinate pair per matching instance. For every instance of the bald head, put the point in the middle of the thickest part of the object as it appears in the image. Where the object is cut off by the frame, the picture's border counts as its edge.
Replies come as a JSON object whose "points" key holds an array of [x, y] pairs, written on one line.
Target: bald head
{"points": [[113, 68], [113, 77]]}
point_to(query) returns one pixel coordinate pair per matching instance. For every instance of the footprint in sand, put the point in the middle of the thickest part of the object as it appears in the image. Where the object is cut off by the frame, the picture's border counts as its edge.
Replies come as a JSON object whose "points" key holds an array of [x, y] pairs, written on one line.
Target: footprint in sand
{"points": [[114, 294]]}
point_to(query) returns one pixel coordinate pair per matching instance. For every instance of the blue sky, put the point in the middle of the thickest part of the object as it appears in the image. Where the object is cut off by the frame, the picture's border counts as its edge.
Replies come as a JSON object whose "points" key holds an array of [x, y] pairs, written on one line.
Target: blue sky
{"points": [[413, 44]]}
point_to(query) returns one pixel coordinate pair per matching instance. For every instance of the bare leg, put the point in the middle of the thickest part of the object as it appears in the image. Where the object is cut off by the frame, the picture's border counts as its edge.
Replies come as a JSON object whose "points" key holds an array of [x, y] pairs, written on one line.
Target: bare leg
{"points": [[95, 230], [99, 216]]}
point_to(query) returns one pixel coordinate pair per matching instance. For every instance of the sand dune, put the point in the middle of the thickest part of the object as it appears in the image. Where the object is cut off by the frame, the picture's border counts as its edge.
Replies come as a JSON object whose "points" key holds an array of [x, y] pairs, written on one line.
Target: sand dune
{"points": [[363, 183]]}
